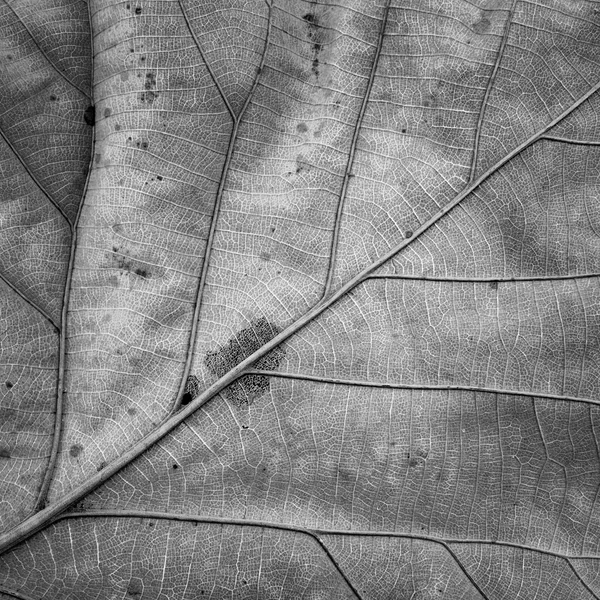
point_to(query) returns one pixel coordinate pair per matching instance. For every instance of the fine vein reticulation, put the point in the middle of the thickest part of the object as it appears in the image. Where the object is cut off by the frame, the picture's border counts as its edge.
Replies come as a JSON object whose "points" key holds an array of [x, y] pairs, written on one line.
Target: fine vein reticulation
{"points": [[54, 513]]}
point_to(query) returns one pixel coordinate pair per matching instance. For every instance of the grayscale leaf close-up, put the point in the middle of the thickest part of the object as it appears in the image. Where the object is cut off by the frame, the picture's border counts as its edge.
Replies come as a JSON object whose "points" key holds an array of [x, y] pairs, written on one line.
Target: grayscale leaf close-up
{"points": [[299, 299]]}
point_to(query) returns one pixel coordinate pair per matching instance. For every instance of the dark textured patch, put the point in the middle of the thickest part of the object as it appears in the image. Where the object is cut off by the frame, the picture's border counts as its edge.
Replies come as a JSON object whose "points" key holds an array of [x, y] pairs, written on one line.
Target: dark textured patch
{"points": [[89, 116], [408, 234], [301, 128], [53, 98], [243, 344], [4, 452], [8, 385], [100, 466], [159, 178], [75, 450], [107, 112], [192, 388], [148, 97], [138, 11], [493, 285], [131, 411]]}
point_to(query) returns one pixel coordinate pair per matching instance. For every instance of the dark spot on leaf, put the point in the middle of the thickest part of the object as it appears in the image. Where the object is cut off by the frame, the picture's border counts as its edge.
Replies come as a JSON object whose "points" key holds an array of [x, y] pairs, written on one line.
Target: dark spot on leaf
{"points": [[4, 452], [131, 411], [75, 450], [192, 389], [244, 426], [301, 128], [265, 256], [408, 234], [107, 112], [243, 344], [272, 229], [8, 385], [404, 131], [309, 18], [175, 466], [89, 116], [142, 273], [10, 57], [53, 98], [159, 177], [101, 466], [493, 285], [128, 6], [138, 11], [117, 127]]}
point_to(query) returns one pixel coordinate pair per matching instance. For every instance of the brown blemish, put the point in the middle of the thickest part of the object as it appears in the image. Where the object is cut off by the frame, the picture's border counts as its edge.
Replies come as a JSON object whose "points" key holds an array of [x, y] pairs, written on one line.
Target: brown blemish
{"points": [[301, 128]]}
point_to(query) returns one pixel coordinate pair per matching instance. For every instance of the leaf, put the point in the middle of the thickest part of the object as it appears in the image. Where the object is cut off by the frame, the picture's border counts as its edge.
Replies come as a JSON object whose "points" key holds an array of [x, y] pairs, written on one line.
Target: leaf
{"points": [[299, 299]]}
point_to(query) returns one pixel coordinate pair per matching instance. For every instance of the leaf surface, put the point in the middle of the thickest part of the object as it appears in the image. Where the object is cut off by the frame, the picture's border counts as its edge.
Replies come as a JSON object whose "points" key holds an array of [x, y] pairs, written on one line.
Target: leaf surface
{"points": [[299, 299]]}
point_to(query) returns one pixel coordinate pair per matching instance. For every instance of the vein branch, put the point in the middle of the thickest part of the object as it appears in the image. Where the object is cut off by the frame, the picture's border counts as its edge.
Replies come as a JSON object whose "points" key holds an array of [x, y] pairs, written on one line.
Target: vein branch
{"points": [[60, 383], [484, 279], [353, 144], [203, 56], [43, 53], [217, 208], [565, 140], [35, 180], [31, 303], [488, 90], [420, 386]]}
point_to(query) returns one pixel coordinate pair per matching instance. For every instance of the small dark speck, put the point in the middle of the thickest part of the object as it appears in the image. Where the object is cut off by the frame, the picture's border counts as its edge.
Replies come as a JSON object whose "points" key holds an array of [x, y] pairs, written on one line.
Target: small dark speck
{"points": [[244, 426], [53, 98], [4, 453], [186, 399], [408, 234], [8, 385], [493, 285], [404, 131], [159, 177], [175, 466], [272, 229], [138, 11], [101, 466]]}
